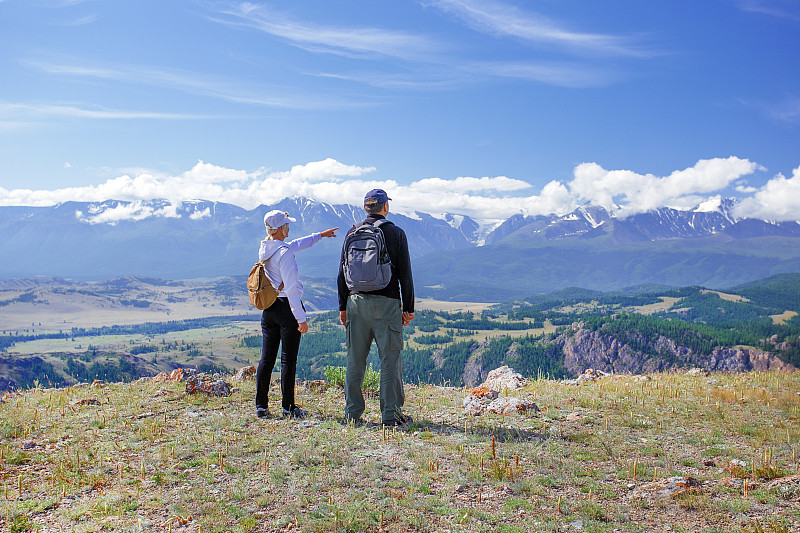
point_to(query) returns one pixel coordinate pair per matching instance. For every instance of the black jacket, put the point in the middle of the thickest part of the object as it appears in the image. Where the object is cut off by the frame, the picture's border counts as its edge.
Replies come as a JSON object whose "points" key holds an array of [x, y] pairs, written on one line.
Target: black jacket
{"points": [[401, 282]]}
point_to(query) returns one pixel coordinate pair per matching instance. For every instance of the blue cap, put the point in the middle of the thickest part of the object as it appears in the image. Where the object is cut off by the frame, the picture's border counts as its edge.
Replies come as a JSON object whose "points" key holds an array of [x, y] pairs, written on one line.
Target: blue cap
{"points": [[379, 195]]}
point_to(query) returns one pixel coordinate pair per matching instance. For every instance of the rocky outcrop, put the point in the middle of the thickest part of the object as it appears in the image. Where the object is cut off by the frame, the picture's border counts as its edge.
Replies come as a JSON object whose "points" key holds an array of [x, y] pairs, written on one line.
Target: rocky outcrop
{"points": [[584, 348], [474, 372], [743, 359]]}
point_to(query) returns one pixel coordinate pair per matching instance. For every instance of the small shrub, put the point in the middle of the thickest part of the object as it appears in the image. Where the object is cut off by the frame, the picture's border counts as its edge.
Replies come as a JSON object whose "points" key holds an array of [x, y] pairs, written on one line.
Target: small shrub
{"points": [[335, 375], [20, 523]]}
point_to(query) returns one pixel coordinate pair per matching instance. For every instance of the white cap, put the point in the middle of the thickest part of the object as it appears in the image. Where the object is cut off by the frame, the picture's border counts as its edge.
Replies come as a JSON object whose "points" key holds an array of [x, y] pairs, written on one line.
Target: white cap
{"points": [[277, 218]]}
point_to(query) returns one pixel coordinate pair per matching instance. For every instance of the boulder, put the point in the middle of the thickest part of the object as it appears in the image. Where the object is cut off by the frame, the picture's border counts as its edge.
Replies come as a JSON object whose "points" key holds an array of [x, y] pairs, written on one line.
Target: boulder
{"points": [[504, 377], [670, 487], [245, 373], [486, 397], [182, 374], [589, 376], [201, 384], [787, 486], [508, 406]]}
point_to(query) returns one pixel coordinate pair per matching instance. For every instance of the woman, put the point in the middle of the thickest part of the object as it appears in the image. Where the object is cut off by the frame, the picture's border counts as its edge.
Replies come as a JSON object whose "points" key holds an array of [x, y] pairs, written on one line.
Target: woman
{"points": [[283, 322]]}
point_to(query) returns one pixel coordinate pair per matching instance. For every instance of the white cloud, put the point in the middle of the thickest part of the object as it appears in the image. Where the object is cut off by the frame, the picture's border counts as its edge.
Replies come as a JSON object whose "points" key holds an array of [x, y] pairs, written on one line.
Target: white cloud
{"points": [[778, 199], [198, 214], [327, 169], [128, 211], [632, 192], [208, 173], [438, 185], [488, 198]]}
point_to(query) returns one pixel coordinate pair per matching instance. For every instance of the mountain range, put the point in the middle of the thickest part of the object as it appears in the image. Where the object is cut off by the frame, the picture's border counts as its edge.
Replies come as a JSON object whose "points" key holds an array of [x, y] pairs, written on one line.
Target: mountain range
{"points": [[454, 256]]}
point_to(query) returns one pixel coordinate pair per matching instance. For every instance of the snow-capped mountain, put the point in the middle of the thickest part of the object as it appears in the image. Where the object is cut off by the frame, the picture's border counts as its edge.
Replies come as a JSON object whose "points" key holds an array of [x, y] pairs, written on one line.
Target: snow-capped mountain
{"points": [[102, 240], [193, 239], [709, 218]]}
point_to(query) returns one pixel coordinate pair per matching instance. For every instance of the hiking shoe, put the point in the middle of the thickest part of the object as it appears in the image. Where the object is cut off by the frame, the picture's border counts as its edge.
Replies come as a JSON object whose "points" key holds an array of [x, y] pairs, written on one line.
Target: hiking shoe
{"points": [[403, 422], [262, 412], [295, 412]]}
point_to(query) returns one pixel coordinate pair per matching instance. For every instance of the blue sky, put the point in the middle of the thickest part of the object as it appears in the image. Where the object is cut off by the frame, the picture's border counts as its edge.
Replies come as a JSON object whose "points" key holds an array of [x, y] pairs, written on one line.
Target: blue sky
{"points": [[480, 107]]}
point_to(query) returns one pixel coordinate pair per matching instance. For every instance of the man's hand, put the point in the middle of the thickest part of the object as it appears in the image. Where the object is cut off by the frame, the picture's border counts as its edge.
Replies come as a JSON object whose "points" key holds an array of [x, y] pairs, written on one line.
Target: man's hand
{"points": [[329, 232], [302, 327], [343, 317], [407, 318]]}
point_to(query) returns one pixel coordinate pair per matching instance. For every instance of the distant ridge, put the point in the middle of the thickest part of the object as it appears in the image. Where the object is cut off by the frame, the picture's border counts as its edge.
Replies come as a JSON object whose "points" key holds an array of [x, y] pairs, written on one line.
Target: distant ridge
{"points": [[454, 256]]}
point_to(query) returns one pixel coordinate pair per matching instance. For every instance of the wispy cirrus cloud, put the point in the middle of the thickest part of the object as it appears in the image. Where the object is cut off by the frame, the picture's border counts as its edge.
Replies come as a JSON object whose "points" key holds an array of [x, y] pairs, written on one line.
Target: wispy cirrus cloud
{"points": [[785, 110], [504, 20], [435, 63], [560, 74], [354, 42], [41, 110], [788, 10], [79, 21], [194, 83], [455, 74]]}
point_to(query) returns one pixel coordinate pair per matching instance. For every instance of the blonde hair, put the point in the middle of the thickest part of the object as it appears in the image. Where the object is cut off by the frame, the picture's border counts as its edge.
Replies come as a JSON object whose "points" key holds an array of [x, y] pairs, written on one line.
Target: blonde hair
{"points": [[272, 231]]}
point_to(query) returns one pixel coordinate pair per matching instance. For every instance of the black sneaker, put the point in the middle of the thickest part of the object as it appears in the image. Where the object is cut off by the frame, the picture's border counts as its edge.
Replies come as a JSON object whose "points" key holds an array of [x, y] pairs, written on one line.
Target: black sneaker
{"points": [[403, 422], [262, 412], [296, 412]]}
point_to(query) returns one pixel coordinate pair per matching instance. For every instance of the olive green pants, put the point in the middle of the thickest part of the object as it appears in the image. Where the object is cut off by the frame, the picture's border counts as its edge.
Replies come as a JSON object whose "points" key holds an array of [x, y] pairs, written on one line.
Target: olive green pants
{"points": [[370, 316]]}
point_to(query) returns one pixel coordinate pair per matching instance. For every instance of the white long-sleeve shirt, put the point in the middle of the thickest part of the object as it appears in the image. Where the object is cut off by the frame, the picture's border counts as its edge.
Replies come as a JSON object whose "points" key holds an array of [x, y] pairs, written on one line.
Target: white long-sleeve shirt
{"points": [[281, 267]]}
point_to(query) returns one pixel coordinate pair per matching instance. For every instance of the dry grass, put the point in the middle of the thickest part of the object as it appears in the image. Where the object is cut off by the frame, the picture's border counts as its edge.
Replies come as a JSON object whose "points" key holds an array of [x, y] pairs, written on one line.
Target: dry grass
{"points": [[149, 459], [784, 317], [449, 307], [725, 296], [665, 304]]}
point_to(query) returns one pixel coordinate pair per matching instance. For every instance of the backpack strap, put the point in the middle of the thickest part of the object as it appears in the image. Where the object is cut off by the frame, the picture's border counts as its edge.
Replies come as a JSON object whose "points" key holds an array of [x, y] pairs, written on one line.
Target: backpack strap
{"points": [[378, 223], [264, 267]]}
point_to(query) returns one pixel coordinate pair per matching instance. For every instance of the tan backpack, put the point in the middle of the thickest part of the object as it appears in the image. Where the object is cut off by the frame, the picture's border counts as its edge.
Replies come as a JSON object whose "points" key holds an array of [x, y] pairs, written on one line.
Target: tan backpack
{"points": [[262, 293]]}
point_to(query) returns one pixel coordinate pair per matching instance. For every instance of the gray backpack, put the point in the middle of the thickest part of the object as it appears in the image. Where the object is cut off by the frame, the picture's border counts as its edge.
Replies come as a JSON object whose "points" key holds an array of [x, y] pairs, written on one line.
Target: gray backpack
{"points": [[367, 266]]}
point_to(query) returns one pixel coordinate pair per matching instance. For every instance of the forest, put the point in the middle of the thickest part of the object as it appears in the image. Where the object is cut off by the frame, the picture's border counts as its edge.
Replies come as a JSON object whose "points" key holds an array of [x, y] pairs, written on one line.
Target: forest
{"points": [[459, 348], [440, 345]]}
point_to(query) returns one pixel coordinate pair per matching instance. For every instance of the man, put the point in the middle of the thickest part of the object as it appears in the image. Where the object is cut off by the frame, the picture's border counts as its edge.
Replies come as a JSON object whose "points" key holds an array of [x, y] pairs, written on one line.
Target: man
{"points": [[380, 315]]}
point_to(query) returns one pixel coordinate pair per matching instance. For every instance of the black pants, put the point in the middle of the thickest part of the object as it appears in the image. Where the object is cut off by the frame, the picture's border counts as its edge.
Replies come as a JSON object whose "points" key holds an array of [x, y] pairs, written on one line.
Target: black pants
{"points": [[278, 326]]}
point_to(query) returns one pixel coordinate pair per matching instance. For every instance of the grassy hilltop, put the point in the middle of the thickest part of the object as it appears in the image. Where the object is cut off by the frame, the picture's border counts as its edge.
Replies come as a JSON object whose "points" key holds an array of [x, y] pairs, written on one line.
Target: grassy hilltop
{"points": [[144, 456]]}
